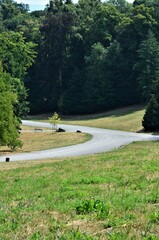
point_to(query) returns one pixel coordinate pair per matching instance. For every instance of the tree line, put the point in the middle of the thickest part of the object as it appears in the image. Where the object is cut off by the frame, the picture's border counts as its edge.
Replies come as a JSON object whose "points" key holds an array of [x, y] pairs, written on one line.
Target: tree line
{"points": [[79, 58], [94, 56]]}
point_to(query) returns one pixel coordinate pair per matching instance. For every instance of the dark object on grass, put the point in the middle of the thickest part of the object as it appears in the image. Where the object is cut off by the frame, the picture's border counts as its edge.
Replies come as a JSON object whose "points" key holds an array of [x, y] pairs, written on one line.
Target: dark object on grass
{"points": [[38, 130], [60, 130], [78, 131], [7, 159]]}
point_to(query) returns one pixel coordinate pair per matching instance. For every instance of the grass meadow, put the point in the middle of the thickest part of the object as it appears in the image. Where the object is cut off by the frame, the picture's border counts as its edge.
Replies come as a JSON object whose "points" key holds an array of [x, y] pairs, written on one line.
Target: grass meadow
{"points": [[114, 196], [124, 119], [107, 196]]}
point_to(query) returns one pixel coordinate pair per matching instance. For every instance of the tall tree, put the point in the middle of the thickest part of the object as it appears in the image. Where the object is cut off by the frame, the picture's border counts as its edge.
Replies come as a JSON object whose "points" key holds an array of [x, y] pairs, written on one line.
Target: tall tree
{"points": [[17, 56], [113, 70], [148, 66], [71, 101], [9, 123], [106, 21], [150, 120], [50, 77], [93, 89]]}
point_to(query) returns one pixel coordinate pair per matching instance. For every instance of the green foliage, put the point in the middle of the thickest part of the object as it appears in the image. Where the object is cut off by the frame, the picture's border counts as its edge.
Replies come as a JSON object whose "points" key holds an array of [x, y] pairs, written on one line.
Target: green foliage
{"points": [[93, 206], [150, 120], [9, 123], [151, 237], [54, 120], [94, 89], [67, 235], [72, 73], [26, 24], [154, 217], [92, 55], [122, 5], [148, 66], [48, 76], [71, 99], [16, 55], [21, 105]]}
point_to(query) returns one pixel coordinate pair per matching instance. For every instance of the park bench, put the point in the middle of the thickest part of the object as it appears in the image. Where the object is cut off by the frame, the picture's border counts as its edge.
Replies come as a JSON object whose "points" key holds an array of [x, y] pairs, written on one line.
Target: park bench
{"points": [[38, 129]]}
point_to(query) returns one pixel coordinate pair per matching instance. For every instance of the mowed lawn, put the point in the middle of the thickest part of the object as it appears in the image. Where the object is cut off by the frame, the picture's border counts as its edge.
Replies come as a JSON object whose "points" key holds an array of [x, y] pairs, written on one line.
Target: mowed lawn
{"points": [[112, 196], [125, 119], [107, 196], [35, 141]]}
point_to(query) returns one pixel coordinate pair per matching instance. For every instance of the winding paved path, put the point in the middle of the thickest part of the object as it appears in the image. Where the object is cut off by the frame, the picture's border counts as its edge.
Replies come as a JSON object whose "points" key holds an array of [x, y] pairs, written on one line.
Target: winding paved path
{"points": [[103, 140]]}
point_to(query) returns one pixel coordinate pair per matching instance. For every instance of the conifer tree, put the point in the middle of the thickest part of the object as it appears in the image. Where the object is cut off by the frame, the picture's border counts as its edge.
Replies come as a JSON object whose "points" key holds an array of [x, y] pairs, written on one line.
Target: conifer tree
{"points": [[151, 118], [148, 66]]}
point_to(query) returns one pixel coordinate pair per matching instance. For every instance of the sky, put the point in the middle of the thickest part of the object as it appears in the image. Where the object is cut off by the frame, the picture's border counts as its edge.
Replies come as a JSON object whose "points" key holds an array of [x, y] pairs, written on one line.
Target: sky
{"points": [[37, 4], [40, 4]]}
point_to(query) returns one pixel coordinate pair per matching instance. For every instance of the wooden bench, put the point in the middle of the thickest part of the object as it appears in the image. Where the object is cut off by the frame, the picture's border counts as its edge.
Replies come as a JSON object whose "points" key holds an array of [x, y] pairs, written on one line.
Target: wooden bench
{"points": [[38, 129]]}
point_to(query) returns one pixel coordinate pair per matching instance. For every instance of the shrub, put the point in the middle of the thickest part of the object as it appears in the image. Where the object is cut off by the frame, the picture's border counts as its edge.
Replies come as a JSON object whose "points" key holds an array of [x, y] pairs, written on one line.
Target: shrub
{"points": [[154, 217], [93, 206]]}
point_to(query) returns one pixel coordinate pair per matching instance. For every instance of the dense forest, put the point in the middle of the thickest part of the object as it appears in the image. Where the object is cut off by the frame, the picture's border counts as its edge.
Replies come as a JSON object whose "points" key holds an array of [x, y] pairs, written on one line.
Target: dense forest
{"points": [[78, 58], [93, 56]]}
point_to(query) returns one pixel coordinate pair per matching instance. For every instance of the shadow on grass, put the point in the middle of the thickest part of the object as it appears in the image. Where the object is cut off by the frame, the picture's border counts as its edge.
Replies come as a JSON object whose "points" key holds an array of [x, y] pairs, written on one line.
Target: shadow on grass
{"points": [[111, 113], [2, 152]]}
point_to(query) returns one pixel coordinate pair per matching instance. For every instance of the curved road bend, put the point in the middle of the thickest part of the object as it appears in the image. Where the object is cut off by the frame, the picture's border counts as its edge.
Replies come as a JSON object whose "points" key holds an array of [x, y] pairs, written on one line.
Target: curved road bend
{"points": [[102, 141]]}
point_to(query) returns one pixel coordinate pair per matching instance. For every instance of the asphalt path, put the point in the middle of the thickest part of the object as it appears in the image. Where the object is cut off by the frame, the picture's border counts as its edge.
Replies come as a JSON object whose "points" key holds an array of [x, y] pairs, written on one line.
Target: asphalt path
{"points": [[103, 140]]}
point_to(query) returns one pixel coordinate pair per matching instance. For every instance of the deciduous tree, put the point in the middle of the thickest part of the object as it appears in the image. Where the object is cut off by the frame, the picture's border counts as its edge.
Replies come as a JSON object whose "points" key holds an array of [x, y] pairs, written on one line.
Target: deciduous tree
{"points": [[9, 123], [54, 120]]}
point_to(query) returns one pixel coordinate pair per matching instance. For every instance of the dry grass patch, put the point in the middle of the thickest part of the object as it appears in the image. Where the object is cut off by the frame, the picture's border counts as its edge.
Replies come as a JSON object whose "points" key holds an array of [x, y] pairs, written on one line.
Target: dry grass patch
{"points": [[30, 128], [25, 164], [35, 141], [124, 119]]}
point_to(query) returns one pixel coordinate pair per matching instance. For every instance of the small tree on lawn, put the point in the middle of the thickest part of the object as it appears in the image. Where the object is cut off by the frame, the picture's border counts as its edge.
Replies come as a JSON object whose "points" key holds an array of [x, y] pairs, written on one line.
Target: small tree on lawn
{"points": [[54, 121]]}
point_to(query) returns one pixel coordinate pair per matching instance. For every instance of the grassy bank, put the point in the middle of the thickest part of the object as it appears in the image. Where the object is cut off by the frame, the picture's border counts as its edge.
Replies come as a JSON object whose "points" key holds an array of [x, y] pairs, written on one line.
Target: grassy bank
{"points": [[112, 196], [126, 119], [107, 196]]}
